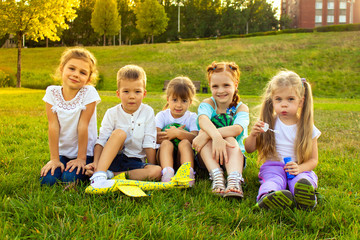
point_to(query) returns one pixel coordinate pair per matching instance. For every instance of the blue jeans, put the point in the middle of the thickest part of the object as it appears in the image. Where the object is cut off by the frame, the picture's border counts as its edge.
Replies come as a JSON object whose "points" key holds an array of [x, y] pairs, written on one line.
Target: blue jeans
{"points": [[65, 176]]}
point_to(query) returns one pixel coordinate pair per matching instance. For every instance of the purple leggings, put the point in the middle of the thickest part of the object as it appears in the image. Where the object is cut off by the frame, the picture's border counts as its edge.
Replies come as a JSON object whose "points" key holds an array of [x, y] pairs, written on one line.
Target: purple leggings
{"points": [[272, 177]]}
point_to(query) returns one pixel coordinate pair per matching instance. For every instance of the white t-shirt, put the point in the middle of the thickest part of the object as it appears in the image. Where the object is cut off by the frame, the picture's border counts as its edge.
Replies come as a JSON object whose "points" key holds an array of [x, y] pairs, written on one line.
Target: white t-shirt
{"points": [[164, 118], [285, 139], [139, 127], [68, 113]]}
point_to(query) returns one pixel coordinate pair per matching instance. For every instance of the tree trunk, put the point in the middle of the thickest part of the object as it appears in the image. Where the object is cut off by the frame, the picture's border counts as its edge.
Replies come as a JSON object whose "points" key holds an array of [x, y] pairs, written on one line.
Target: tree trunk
{"points": [[47, 42], [104, 40], [18, 73], [152, 38]]}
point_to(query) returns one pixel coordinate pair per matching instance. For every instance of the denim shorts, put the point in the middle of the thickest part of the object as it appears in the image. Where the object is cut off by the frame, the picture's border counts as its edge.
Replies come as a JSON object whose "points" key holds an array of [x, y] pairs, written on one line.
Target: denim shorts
{"points": [[123, 163]]}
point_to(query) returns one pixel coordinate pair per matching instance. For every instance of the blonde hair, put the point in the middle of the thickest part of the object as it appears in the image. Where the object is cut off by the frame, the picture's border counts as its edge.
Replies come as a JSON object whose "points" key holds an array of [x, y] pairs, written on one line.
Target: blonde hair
{"points": [[303, 143], [131, 73], [82, 54], [181, 87], [234, 71]]}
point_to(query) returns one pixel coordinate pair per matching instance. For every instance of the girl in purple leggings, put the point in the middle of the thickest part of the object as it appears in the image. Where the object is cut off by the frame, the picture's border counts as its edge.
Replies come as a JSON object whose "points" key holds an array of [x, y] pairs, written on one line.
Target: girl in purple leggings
{"points": [[286, 131]]}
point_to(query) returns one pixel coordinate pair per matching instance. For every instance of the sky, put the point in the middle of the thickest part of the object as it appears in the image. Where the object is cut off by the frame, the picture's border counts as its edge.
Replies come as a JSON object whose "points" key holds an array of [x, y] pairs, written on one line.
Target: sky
{"points": [[277, 3]]}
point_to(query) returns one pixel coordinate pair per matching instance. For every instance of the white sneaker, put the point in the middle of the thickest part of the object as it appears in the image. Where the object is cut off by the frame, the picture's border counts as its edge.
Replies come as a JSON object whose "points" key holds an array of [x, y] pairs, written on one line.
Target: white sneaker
{"points": [[167, 174], [192, 176], [99, 180]]}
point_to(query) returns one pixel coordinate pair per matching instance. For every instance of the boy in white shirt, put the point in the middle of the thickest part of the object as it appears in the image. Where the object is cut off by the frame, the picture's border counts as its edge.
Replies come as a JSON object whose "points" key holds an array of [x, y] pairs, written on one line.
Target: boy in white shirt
{"points": [[127, 134]]}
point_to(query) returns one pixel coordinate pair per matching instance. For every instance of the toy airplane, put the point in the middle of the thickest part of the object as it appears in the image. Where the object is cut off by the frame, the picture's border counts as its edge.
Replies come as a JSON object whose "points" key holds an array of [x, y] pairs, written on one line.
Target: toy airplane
{"points": [[134, 188]]}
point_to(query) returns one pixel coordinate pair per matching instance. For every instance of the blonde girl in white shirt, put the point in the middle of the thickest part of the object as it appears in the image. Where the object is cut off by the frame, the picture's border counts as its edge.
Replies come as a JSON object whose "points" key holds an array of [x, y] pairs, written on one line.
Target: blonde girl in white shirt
{"points": [[71, 112], [287, 108]]}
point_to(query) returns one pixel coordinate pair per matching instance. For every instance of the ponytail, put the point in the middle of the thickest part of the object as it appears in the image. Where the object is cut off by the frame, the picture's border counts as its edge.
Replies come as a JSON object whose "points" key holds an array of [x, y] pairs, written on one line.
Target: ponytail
{"points": [[303, 140]]}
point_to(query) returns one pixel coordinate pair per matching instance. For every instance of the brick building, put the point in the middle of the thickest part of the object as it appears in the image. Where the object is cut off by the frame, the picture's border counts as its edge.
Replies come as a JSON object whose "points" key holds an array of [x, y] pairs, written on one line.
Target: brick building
{"points": [[315, 13]]}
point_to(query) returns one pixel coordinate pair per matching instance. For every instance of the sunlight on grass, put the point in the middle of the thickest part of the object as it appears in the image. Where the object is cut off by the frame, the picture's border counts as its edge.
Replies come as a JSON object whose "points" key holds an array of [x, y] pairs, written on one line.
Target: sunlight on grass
{"points": [[30, 211]]}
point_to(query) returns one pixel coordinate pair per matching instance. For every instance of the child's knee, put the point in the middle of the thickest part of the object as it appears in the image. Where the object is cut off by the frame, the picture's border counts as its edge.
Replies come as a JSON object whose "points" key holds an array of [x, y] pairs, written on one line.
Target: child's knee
{"points": [[118, 134], [183, 144], [72, 176], [231, 140], [51, 179], [154, 172], [167, 144]]}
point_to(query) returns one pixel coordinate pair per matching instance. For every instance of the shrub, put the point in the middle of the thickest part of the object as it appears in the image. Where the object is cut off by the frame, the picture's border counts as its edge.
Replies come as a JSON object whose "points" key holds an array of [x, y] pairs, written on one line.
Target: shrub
{"points": [[7, 78], [37, 80], [296, 30], [100, 82], [338, 28]]}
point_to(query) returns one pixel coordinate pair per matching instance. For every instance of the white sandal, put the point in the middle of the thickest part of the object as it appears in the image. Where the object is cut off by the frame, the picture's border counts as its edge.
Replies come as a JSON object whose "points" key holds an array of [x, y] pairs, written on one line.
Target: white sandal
{"points": [[217, 176], [234, 181]]}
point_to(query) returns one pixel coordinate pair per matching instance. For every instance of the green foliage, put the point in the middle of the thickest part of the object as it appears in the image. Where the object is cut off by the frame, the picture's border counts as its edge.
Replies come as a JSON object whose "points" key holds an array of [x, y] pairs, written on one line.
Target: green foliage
{"points": [[105, 18], [151, 19], [285, 21], [128, 22], [260, 16], [339, 28], [80, 30], [7, 79], [29, 211], [35, 19]]}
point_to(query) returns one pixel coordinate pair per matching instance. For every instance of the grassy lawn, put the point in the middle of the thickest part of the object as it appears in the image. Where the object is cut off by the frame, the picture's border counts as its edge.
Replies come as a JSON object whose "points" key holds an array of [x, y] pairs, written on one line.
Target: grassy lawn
{"points": [[28, 211], [330, 61]]}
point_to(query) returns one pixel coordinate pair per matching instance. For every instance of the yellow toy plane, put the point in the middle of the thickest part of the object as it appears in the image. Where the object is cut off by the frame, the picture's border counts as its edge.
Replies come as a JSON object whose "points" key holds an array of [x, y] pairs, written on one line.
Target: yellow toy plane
{"points": [[134, 188]]}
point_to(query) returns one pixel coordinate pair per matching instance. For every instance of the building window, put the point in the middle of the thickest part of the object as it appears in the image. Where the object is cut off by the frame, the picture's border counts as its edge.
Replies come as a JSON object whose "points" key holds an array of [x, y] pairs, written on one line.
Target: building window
{"points": [[330, 18], [318, 19], [330, 5], [342, 5], [342, 19], [318, 5]]}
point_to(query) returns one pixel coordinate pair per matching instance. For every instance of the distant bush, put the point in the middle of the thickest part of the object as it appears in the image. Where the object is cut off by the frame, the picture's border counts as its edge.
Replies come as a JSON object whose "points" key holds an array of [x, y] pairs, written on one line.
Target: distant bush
{"points": [[338, 28], [296, 30], [230, 36], [100, 82], [37, 80], [191, 39], [7, 78]]}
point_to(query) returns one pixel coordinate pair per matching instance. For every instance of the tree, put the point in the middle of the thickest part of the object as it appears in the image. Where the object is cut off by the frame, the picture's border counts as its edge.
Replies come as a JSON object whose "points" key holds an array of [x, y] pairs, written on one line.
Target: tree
{"points": [[128, 21], [105, 18], [151, 19], [80, 30], [260, 16], [35, 19]]}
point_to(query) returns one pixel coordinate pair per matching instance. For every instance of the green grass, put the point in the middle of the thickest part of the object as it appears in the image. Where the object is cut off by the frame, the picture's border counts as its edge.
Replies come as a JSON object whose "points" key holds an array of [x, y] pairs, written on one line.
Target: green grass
{"points": [[330, 61], [28, 211]]}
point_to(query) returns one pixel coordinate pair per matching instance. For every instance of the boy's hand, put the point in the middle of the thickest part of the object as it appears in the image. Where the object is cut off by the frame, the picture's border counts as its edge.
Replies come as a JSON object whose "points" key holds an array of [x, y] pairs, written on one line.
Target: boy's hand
{"points": [[90, 169], [161, 136], [51, 165], [292, 168], [76, 163]]}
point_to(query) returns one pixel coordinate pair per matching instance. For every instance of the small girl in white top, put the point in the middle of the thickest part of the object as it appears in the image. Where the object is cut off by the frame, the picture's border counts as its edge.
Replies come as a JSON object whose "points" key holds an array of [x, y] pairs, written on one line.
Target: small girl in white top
{"points": [[176, 128], [287, 109], [71, 112]]}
